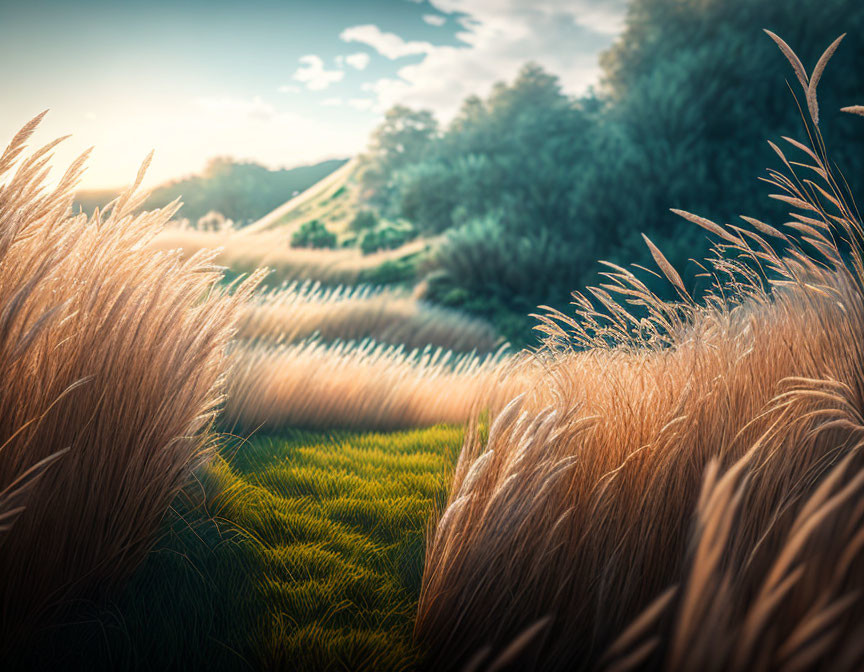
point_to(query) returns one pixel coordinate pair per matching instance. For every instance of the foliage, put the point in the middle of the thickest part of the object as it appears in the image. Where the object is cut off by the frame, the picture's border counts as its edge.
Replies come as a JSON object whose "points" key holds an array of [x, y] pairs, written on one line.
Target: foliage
{"points": [[428, 194], [402, 139], [313, 234], [500, 180], [693, 90], [689, 92], [364, 220], [392, 271], [489, 269], [386, 236]]}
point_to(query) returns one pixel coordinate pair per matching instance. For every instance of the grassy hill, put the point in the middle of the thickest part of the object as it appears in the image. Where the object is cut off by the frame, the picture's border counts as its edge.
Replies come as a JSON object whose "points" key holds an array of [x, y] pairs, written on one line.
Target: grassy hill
{"points": [[332, 201]]}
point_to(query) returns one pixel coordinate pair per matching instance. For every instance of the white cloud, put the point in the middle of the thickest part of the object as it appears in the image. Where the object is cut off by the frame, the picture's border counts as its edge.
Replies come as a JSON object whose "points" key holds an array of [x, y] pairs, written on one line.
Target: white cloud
{"points": [[254, 108], [603, 16], [387, 44], [358, 61], [314, 75], [289, 88], [435, 19], [332, 102], [498, 37], [361, 104]]}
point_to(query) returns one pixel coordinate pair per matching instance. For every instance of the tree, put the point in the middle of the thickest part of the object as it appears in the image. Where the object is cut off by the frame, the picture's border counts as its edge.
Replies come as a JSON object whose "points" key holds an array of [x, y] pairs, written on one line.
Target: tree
{"points": [[690, 92], [400, 140], [313, 234], [403, 136], [694, 90]]}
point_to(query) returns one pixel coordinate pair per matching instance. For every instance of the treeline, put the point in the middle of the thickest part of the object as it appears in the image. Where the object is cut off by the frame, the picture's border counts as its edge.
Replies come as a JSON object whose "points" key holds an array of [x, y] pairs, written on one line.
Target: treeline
{"points": [[532, 186], [241, 191]]}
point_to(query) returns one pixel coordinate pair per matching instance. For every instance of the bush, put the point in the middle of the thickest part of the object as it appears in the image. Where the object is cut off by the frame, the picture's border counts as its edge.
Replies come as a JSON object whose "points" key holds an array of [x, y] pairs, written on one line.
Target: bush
{"points": [[111, 353], [391, 272], [487, 268], [363, 221], [313, 234], [385, 237]]}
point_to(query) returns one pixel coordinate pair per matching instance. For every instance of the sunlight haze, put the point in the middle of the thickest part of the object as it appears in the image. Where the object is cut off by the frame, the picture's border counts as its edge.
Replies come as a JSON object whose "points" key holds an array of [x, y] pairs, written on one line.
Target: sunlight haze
{"points": [[279, 83]]}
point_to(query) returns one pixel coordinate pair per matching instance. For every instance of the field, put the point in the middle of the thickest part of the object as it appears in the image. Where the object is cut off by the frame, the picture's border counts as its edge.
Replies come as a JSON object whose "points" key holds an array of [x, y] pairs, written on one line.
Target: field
{"points": [[346, 313], [244, 253], [221, 452], [298, 551]]}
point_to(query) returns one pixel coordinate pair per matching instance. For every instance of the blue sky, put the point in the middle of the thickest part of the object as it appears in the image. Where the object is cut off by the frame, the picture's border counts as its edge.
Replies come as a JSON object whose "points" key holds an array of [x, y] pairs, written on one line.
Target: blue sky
{"points": [[282, 83]]}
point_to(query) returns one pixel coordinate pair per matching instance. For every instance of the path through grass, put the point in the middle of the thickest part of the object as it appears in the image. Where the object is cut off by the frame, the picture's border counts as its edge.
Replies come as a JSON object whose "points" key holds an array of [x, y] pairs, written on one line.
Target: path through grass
{"points": [[305, 555]]}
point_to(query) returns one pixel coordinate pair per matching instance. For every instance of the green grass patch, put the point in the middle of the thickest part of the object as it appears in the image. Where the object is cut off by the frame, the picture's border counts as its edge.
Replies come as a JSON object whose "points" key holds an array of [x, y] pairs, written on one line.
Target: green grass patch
{"points": [[300, 552]]}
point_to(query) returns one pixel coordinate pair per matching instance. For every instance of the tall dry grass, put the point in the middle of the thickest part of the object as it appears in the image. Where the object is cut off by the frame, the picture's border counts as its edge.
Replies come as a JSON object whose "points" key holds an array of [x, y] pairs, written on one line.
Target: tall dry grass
{"points": [[363, 385], [113, 360], [301, 310], [246, 252], [683, 489]]}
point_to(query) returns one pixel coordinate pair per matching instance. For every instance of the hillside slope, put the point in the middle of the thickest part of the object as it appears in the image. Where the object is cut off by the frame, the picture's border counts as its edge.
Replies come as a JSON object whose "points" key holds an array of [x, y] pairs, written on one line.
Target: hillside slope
{"points": [[332, 201]]}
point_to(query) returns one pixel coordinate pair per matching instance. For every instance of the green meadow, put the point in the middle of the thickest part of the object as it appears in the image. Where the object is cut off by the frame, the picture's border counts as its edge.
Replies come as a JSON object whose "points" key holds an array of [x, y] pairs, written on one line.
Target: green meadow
{"points": [[302, 551]]}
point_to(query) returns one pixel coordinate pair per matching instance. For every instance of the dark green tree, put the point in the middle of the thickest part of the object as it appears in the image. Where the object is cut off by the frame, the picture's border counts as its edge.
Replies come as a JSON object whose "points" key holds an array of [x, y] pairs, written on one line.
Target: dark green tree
{"points": [[401, 139], [694, 88], [690, 93], [313, 234]]}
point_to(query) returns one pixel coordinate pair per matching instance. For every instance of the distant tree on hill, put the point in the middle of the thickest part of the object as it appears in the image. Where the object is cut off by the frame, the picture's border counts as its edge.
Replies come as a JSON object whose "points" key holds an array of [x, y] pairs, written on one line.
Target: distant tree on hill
{"points": [[313, 234], [400, 140]]}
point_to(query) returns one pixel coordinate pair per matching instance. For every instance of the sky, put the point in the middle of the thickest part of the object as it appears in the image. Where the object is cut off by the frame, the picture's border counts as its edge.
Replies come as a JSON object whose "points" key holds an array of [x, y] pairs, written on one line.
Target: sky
{"points": [[283, 83]]}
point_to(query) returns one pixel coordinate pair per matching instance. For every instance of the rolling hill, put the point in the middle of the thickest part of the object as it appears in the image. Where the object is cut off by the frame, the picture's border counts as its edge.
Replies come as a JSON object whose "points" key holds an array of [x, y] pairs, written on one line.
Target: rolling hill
{"points": [[332, 201], [241, 191]]}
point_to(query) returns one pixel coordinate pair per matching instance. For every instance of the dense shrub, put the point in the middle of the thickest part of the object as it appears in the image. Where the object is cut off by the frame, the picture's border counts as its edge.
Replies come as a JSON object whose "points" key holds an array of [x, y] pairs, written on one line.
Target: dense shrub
{"points": [[488, 268], [392, 272], [364, 220], [313, 234], [387, 236]]}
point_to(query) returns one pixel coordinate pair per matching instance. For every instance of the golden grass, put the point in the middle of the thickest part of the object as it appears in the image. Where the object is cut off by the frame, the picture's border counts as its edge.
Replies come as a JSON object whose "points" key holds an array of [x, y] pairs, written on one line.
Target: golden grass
{"points": [[683, 489], [113, 359], [301, 310], [361, 386], [246, 252]]}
